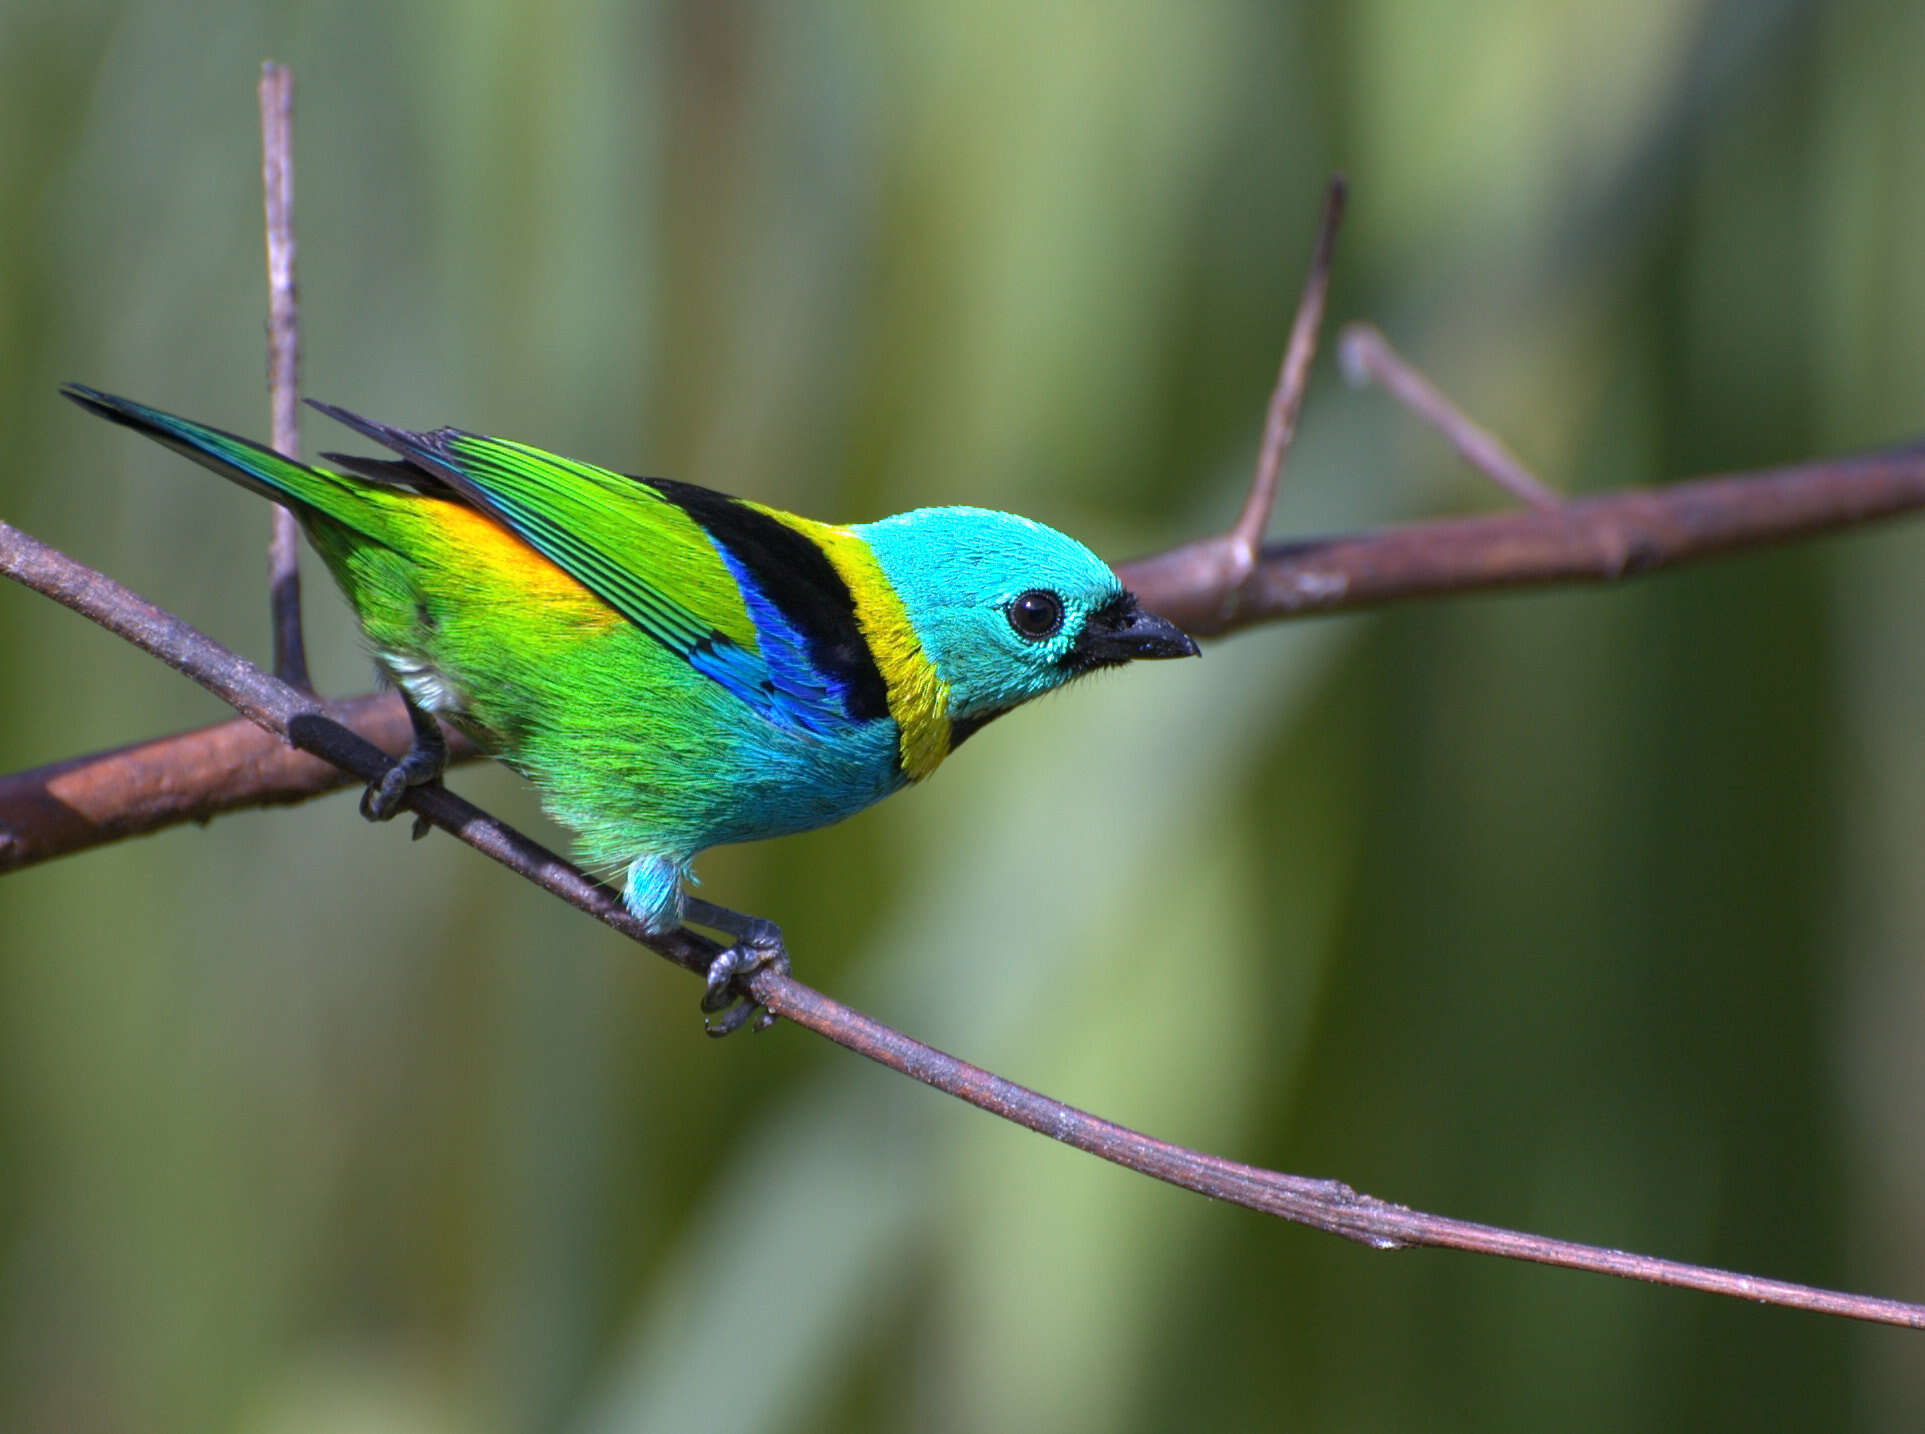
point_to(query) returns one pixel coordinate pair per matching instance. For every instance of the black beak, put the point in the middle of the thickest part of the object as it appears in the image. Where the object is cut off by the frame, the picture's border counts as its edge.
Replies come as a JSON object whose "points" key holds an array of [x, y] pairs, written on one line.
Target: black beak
{"points": [[1120, 631]]}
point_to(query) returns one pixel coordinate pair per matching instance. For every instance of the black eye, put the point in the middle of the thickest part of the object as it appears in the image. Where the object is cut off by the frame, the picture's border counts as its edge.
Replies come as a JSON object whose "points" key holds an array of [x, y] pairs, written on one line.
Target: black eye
{"points": [[1037, 614]]}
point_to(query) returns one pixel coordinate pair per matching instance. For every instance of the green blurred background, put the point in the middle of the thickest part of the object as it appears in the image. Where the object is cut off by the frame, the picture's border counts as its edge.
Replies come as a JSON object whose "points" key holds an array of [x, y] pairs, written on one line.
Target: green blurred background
{"points": [[1594, 913]]}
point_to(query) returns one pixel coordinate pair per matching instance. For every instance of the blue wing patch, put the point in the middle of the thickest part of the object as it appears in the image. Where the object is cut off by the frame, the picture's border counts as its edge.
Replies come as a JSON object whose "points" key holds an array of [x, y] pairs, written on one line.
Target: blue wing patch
{"points": [[793, 686]]}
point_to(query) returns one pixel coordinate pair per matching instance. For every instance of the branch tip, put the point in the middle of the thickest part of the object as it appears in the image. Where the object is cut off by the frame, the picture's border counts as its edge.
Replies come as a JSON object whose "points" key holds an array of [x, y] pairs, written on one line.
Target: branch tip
{"points": [[1366, 356]]}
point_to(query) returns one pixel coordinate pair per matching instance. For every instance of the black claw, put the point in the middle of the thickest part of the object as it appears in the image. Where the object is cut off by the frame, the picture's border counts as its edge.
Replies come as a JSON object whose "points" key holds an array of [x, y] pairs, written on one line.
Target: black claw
{"points": [[425, 759], [731, 1020], [758, 943], [382, 799], [721, 979]]}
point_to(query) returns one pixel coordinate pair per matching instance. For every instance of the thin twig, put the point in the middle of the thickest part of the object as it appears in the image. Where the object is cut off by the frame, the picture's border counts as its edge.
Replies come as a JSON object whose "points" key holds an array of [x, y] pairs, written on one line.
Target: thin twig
{"points": [[1241, 546], [85, 801], [1366, 355], [1321, 1204], [283, 360]]}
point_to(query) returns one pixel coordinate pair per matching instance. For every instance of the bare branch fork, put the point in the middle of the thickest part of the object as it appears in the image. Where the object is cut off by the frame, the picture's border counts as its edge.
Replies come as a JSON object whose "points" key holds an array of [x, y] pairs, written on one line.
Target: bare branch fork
{"points": [[1599, 539]]}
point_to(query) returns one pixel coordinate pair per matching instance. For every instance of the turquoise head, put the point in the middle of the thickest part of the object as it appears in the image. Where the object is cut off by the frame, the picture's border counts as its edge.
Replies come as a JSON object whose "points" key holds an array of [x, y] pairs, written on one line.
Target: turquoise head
{"points": [[1008, 609]]}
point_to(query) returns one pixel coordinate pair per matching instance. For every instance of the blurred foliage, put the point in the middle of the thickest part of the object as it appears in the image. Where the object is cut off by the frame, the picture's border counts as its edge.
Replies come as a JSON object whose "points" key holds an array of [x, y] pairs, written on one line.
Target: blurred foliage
{"points": [[1595, 913]]}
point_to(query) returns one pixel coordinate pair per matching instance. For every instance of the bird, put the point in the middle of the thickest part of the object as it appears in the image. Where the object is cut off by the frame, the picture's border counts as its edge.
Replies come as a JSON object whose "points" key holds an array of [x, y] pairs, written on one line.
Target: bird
{"points": [[675, 668]]}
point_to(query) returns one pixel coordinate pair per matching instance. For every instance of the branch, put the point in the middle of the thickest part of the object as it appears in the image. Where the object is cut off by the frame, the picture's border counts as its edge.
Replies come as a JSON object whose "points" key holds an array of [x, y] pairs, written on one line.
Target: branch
{"points": [[1366, 356], [1327, 1205], [1212, 587], [193, 777], [283, 360], [87, 801], [1602, 539], [298, 718]]}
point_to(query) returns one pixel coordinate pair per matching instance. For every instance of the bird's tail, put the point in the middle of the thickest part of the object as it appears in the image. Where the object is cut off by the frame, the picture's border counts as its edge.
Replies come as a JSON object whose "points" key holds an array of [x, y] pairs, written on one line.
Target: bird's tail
{"points": [[244, 462]]}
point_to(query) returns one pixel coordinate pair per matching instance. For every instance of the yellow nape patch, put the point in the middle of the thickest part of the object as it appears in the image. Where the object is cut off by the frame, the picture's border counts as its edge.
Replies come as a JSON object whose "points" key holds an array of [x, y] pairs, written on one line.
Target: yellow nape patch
{"points": [[918, 698], [488, 555]]}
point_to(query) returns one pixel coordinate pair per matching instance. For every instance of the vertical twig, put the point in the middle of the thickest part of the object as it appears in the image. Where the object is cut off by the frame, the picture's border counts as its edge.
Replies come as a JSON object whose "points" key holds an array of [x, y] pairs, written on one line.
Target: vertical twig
{"points": [[1241, 545], [283, 360]]}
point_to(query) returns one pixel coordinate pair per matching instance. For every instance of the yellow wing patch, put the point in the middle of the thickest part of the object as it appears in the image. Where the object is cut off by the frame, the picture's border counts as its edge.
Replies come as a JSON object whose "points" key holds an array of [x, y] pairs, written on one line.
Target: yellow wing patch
{"points": [[489, 555]]}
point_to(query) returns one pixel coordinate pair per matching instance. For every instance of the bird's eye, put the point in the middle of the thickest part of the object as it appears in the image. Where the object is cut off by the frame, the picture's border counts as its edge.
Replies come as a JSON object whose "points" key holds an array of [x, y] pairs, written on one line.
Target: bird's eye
{"points": [[1037, 614]]}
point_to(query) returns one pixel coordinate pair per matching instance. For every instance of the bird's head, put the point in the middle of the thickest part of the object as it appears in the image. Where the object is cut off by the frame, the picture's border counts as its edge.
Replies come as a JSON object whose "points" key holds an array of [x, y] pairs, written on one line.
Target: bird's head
{"points": [[1007, 609]]}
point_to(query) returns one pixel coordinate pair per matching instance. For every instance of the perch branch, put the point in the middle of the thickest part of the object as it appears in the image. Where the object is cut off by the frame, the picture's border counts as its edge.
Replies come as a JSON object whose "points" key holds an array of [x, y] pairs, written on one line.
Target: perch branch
{"points": [[302, 720], [86, 801], [1327, 1205]]}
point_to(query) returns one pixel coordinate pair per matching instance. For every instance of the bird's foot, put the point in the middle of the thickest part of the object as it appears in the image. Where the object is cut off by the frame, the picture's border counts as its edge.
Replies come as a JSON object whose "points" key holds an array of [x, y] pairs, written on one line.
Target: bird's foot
{"points": [[420, 767], [757, 944]]}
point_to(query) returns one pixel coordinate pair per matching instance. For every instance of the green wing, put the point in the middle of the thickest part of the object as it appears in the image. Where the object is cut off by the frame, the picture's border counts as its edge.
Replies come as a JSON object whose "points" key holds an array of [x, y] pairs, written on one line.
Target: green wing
{"points": [[632, 545]]}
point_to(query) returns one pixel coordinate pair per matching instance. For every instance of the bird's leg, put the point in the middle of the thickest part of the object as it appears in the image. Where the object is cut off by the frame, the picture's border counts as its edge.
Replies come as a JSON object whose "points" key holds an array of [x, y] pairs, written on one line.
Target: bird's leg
{"points": [[422, 764], [758, 943]]}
